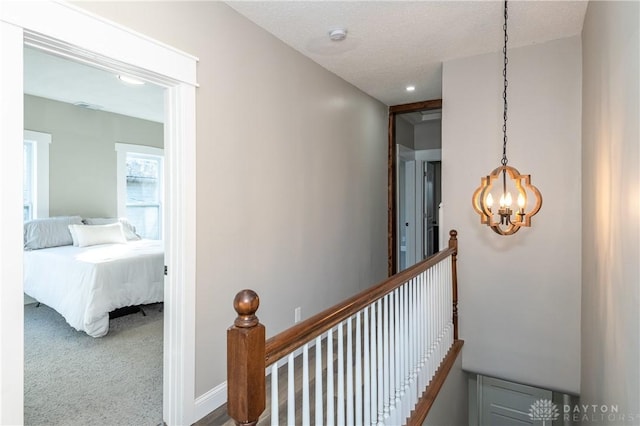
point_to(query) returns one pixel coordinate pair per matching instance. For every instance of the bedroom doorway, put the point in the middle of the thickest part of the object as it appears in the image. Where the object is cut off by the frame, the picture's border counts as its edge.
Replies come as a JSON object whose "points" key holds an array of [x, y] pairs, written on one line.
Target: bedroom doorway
{"points": [[64, 31], [104, 166]]}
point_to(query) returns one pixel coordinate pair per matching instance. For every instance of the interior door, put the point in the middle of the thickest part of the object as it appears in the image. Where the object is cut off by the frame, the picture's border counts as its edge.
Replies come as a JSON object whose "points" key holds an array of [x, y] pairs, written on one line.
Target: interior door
{"points": [[430, 226], [406, 214]]}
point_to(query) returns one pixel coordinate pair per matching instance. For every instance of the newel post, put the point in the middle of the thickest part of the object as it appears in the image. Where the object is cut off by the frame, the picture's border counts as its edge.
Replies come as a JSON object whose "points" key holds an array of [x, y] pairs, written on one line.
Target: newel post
{"points": [[246, 361], [453, 243]]}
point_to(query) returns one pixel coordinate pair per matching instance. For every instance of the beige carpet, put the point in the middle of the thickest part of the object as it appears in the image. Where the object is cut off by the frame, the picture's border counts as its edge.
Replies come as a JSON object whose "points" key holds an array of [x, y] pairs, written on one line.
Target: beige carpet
{"points": [[73, 379]]}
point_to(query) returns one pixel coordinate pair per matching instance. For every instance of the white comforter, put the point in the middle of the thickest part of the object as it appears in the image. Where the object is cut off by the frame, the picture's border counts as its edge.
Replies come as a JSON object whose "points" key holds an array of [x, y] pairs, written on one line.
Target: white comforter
{"points": [[85, 284]]}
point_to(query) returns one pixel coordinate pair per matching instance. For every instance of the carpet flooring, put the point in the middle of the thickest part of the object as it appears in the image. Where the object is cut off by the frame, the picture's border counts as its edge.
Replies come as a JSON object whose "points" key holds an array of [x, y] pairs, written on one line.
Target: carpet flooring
{"points": [[72, 379]]}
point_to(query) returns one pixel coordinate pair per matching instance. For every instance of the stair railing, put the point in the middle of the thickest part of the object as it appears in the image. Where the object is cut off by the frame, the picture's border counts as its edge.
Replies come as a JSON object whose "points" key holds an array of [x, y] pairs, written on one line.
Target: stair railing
{"points": [[380, 357]]}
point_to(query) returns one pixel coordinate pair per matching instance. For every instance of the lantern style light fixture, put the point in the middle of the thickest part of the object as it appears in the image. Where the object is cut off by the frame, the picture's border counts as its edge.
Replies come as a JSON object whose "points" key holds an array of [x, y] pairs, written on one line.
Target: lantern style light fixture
{"points": [[506, 220]]}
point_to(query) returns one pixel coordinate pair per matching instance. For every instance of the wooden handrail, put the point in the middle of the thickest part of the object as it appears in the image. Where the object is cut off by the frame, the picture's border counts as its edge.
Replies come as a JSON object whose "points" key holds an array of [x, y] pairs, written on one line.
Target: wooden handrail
{"points": [[289, 340]]}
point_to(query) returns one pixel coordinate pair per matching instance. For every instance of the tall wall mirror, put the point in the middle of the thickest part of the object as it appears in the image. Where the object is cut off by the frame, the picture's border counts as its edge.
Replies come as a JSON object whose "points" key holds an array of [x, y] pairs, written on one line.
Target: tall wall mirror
{"points": [[415, 192]]}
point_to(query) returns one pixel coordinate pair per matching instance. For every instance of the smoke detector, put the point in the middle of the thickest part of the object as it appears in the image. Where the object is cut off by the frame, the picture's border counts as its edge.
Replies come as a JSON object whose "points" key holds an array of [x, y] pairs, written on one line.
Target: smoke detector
{"points": [[338, 34]]}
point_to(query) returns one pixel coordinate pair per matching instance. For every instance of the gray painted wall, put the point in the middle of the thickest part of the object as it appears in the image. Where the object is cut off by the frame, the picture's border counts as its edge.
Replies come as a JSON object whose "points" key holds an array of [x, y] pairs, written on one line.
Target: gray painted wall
{"points": [[82, 156], [404, 132], [451, 407], [610, 211], [428, 135], [519, 295], [291, 173]]}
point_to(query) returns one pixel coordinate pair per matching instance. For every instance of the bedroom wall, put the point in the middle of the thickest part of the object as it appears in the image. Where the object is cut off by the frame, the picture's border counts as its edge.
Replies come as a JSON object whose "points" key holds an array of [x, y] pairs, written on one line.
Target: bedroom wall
{"points": [[610, 208], [291, 173], [82, 156], [519, 295]]}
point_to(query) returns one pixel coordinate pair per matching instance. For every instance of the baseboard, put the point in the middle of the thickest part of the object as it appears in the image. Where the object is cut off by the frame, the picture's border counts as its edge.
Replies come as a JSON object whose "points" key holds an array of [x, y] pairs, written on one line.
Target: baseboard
{"points": [[214, 398], [210, 400]]}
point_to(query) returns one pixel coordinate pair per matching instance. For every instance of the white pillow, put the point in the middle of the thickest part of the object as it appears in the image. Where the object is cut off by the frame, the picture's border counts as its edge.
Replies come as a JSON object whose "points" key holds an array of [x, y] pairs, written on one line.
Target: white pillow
{"points": [[49, 232], [91, 235], [127, 227]]}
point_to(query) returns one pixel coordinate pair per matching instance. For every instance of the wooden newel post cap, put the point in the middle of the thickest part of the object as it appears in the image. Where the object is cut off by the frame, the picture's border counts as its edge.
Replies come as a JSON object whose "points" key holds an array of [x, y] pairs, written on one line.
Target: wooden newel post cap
{"points": [[453, 234], [246, 305]]}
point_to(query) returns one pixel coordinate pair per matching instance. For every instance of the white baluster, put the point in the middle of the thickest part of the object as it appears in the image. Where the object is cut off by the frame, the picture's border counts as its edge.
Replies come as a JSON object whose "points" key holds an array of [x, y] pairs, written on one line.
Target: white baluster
{"points": [[393, 348], [380, 362], [432, 326], [349, 420], [374, 366], [330, 413], [395, 358], [422, 331], [386, 367], [274, 395], [449, 300], [366, 372], [419, 334], [400, 347], [443, 314], [412, 337], [306, 420], [340, 419], [412, 332], [358, 390], [291, 391], [319, 396]]}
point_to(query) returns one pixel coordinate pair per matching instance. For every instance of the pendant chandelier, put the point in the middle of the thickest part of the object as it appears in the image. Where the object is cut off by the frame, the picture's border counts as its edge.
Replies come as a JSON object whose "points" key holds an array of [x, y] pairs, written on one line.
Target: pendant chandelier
{"points": [[506, 221]]}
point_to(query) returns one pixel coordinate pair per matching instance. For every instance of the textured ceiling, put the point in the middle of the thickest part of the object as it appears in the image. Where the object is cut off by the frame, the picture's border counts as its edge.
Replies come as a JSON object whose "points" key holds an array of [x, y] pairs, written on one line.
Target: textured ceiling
{"points": [[392, 44]]}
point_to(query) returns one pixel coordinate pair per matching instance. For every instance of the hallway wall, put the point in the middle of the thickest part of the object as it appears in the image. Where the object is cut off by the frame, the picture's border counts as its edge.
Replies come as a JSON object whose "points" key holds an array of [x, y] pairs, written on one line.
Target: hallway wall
{"points": [[611, 208]]}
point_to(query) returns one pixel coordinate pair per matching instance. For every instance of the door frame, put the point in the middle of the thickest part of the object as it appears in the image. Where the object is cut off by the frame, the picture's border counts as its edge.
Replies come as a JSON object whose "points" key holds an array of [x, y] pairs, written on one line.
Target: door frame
{"points": [[392, 219], [72, 32]]}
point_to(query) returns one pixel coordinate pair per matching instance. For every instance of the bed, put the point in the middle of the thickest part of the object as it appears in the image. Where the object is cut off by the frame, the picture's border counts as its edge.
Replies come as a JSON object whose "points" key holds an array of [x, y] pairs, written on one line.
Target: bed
{"points": [[84, 282]]}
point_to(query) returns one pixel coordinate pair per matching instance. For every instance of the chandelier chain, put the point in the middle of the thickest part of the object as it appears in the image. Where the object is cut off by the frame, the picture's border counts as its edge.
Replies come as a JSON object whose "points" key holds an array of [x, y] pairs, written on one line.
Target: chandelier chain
{"points": [[504, 93]]}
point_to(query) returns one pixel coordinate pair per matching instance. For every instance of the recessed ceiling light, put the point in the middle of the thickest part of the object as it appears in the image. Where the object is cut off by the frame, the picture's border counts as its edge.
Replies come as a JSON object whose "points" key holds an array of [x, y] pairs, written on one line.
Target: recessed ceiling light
{"points": [[411, 88], [338, 34], [131, 80]]}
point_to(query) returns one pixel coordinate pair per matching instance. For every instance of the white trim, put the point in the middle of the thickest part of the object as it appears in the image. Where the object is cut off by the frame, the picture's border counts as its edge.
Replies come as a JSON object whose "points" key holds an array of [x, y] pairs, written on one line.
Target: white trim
{"points": [[42, 141], [61, 22], [71, 32], [11, 296], [139, 149], [429, 155], [210, 400], [180, 256]]}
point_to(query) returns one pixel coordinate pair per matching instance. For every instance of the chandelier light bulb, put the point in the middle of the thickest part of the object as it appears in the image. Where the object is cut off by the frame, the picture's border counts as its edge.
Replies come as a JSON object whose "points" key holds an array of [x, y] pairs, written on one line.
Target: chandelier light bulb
{"points": [[508, 200], [520, 201], [489, 201]]}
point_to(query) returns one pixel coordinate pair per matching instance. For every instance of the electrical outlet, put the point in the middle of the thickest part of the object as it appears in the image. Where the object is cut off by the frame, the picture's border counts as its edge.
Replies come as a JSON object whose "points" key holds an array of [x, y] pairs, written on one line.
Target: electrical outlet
{"points": [[297, 313]]}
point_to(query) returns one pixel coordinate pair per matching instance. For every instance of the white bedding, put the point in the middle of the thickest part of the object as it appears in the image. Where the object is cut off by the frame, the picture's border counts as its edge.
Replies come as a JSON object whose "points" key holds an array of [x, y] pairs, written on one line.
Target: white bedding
{"points": [[85, 283]]}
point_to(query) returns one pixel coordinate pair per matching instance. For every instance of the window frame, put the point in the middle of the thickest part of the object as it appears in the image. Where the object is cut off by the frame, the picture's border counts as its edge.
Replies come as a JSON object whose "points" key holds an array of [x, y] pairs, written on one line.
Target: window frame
{"points": [[40, 142], [123, 150]]}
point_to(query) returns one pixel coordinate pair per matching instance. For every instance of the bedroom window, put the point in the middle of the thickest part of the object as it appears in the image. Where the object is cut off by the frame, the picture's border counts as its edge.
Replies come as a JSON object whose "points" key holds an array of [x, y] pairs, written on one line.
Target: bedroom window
{"points": [[36, 175], [140, 188]]}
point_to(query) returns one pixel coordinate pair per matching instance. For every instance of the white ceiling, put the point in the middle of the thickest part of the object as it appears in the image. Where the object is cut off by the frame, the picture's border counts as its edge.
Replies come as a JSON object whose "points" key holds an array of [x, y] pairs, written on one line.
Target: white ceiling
{"points": [[392, 44], [53, 77]]}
